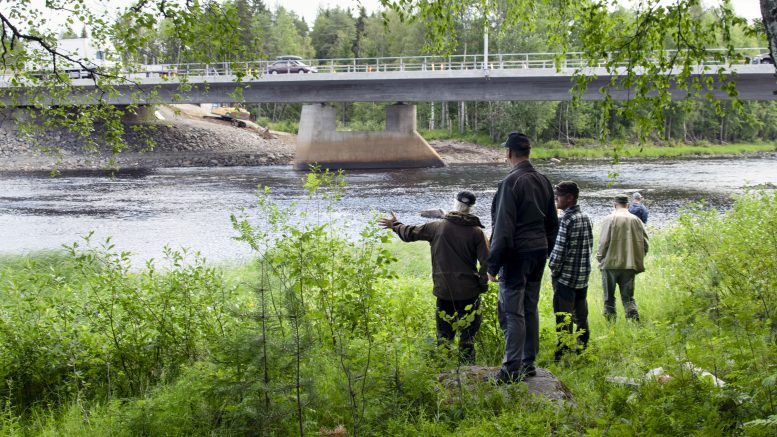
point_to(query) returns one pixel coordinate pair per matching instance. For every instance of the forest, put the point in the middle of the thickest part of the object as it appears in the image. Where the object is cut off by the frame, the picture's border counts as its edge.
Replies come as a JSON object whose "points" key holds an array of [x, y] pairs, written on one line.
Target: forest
{"points": [[265, 33]]}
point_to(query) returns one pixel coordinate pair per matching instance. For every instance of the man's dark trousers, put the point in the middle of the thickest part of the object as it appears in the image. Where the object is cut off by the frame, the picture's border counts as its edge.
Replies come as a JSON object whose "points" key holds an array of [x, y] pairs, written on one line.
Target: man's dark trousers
{"points": [[570, 301], [519, 293], [457, 309], [624, 279]]}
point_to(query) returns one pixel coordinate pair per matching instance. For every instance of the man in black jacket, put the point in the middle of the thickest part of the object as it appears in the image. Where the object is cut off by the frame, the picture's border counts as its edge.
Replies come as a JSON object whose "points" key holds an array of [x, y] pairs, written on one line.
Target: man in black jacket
{"points": [[458, 245], [525, 224]]}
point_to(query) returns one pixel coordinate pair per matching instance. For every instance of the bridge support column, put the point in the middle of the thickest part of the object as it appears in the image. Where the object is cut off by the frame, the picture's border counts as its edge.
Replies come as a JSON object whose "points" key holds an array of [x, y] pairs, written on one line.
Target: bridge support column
{"points": [[399, 146]]}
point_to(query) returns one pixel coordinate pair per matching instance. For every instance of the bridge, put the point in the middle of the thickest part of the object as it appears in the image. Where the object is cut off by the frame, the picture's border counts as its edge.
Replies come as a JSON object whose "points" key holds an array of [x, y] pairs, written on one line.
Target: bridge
{"points": [[506, 77]]}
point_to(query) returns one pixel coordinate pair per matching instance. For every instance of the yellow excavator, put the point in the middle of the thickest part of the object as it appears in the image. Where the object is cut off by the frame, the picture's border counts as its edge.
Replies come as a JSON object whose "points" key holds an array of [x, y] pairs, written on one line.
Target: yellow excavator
{"points": [[233, 114]]}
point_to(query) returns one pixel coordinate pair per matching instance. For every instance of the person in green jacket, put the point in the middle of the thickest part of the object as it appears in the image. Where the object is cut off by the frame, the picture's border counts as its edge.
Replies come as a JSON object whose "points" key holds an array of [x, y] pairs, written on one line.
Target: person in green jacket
{"points": [[623, 244], [459, 266]]}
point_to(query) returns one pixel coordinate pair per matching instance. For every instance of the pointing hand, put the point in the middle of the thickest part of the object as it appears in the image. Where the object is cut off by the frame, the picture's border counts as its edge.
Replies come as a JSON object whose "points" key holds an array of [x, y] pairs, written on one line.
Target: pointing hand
{"points": [[388, 222]]}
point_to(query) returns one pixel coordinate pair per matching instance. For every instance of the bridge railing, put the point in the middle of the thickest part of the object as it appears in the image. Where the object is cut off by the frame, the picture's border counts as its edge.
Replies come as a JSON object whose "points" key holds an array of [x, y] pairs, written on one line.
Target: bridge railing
{"points": [[499, 61], [421, 63]]}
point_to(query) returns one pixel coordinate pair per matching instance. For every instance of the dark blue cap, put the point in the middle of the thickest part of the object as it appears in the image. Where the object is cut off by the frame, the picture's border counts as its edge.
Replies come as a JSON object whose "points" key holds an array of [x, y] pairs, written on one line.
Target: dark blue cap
{"points": [[517, 141]]}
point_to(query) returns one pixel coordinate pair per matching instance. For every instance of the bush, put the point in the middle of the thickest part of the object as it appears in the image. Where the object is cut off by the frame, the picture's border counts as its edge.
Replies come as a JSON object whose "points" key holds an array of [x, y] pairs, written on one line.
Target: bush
{"points": [[82, 323], [325, 330]]}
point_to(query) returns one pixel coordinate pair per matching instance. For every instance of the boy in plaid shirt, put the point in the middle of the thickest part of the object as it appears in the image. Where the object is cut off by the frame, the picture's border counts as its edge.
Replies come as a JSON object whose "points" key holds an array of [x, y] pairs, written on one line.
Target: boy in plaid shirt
{"points": [[570, 264]]}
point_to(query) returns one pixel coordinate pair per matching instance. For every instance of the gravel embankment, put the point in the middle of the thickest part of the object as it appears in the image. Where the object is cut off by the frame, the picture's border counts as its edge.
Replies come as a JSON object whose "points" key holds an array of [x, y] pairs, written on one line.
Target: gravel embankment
{"points": [[181, 140]]}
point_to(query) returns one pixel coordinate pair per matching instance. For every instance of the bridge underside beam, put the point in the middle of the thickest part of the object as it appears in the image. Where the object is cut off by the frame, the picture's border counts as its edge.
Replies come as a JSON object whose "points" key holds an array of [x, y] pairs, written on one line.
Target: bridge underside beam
{"points": [[753, 83], [399, 146]]}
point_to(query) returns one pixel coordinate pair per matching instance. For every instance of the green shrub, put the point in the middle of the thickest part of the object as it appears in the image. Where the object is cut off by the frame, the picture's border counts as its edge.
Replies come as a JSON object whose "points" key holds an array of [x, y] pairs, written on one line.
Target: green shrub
{"points": [[323, 330], [83, 323]]}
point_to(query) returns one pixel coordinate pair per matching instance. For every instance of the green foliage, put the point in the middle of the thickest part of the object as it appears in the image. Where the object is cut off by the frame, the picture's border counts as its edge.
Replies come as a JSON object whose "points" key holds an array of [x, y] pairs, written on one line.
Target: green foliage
{"points": [[82, 323], [322, 330], [239, 30], [637, 48], [554, 150], [334, 33]]}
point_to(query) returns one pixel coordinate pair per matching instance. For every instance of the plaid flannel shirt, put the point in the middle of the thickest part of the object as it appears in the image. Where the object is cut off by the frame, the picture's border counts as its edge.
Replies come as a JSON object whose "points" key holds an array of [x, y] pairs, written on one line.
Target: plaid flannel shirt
{"points": [[570, 260]]}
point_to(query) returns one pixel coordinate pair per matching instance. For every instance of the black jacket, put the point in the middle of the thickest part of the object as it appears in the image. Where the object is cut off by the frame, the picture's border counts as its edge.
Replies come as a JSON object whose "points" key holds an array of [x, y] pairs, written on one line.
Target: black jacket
{"points": [[523, 215], [458, 245]]}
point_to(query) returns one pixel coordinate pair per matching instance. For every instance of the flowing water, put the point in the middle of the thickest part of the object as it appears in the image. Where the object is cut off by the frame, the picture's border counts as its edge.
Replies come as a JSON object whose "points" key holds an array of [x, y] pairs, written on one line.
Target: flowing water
{"points": [[190, 207]]}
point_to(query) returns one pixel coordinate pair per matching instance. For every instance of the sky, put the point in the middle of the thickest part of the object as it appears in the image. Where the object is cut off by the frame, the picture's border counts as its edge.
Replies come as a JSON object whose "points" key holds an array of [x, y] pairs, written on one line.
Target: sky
{"points": [[308, 9]]}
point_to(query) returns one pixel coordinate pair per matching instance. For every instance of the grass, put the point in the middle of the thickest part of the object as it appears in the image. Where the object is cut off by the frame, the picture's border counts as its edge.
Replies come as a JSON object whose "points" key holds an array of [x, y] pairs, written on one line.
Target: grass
{"points": [[407, 399], [619, 349], [649, 151], [652, 292], [590, 149], [471, 137]]}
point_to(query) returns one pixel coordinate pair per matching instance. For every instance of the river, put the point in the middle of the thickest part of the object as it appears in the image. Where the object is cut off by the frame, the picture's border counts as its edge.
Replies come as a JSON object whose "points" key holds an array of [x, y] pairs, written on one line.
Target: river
{"points": [[190, 207]]}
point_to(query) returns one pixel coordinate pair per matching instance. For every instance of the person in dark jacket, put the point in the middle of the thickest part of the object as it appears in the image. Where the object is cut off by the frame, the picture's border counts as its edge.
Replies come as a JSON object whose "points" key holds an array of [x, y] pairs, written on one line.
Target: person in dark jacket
{"points": [[459, 257], [638, 208], [525, 223]]}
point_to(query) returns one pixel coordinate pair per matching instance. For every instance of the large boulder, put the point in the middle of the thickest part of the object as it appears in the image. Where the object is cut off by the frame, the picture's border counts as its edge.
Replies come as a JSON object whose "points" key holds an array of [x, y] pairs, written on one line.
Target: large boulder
{"points": [[544, 384]]}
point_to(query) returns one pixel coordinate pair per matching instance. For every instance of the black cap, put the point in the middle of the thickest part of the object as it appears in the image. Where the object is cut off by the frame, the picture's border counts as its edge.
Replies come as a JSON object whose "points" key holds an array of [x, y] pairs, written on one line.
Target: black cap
{"points": [[517, 141], [567, 187], [466, 198], [622, 199]]}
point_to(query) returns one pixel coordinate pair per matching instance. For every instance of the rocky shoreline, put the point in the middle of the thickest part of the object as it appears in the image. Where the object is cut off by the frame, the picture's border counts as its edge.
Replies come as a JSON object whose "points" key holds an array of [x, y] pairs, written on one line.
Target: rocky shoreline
{"points": [[179, 140], [183, 138]]}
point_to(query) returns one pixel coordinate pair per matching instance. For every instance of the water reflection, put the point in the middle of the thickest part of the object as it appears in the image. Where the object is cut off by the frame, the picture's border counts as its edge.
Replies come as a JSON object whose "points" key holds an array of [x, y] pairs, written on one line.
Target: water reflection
{"points": [[190, 207]]}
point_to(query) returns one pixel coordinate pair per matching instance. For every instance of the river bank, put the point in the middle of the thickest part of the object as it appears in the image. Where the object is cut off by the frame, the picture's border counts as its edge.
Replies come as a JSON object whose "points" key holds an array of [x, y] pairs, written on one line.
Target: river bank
{"points": [[183, 136], [647, 378]]}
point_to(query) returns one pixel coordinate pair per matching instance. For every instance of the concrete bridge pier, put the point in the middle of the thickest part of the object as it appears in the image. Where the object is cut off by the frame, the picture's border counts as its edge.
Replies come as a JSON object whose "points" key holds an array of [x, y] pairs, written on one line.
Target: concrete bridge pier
{"points": [[399, 146]]}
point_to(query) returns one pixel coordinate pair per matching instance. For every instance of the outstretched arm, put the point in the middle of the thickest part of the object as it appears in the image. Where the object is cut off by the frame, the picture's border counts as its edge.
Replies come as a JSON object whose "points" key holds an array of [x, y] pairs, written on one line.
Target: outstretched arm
{"points": [[408, 233]]}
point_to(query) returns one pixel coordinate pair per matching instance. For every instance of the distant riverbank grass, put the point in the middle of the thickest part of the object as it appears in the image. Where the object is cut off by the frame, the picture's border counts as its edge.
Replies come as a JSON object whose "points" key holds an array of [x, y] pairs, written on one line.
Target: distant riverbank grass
{"points": [[651, 151], [321, 331], [591, 149]]}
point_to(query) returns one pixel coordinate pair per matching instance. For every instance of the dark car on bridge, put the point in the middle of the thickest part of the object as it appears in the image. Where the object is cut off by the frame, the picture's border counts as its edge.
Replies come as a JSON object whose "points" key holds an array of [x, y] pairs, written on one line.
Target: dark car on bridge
{"points": [[763, 58], [289, 64]]}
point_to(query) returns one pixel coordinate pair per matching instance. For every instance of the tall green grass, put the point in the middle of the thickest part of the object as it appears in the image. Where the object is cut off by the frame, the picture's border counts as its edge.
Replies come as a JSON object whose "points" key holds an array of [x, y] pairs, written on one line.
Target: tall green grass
{"points": [[649, 151], [706, 298], [590, 149]]}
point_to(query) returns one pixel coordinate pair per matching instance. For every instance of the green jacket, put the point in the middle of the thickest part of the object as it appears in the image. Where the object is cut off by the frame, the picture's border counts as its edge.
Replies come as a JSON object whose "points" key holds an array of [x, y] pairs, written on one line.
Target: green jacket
{"points": [[458, 245], [623, 242]]}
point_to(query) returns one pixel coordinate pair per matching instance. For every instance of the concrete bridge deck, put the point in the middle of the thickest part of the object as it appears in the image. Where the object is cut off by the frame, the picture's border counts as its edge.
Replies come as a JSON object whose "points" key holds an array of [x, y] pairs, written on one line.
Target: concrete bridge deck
{"points": [[754, 82]]}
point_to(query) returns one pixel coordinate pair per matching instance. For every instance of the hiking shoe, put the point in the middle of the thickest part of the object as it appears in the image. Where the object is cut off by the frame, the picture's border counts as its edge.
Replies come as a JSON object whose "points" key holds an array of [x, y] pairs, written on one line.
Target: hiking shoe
{"points": [[502, 377], [530, 370]]}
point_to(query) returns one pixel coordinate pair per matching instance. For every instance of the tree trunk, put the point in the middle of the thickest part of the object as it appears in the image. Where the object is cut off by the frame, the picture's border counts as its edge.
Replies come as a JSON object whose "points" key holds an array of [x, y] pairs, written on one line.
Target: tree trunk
{"points": [[462, 117], [475, 117], [769, 14], [431, 116]]}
